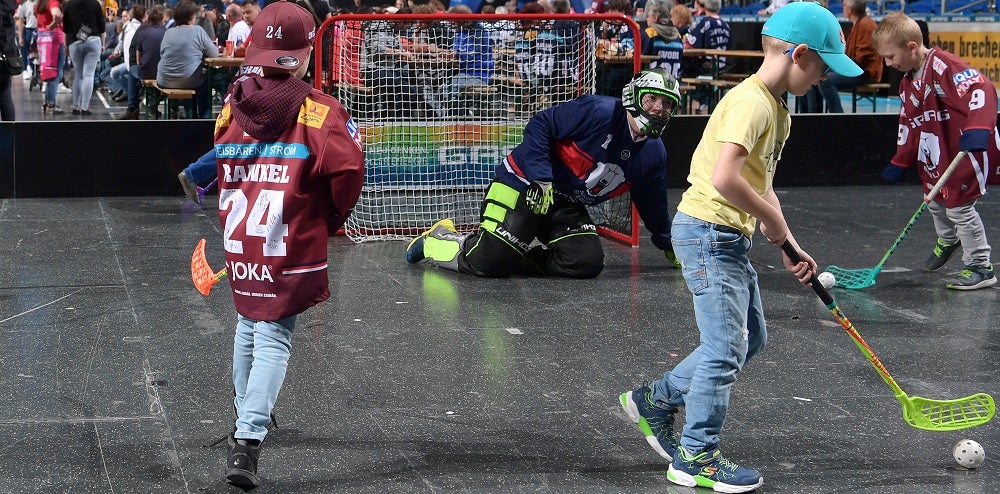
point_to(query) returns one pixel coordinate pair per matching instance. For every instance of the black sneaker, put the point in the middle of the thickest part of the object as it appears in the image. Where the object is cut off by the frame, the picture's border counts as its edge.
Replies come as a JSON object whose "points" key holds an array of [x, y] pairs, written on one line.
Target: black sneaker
{"points": [[241, 467], [942, 253], [974, 278]]}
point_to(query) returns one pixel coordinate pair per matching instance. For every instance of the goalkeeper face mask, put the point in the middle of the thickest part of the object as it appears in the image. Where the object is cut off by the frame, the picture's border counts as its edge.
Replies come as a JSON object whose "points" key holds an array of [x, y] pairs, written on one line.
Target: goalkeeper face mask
{"points": [[651, 98]]}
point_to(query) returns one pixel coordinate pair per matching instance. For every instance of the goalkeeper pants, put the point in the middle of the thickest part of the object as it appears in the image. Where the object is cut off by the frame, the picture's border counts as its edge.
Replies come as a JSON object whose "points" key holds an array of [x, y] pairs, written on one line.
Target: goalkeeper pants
{"points": [[569, 246]]}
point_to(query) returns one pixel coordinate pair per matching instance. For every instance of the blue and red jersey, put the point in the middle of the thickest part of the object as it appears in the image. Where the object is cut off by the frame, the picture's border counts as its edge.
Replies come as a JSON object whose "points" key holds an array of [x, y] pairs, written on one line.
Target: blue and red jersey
{"points": [[586, 149]]}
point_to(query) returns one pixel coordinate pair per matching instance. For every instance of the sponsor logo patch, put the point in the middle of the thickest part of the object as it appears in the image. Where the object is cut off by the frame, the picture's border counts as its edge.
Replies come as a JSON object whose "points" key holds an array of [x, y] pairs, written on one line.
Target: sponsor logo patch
{"points": [[352, 128], [313, 114], [965, 80]]}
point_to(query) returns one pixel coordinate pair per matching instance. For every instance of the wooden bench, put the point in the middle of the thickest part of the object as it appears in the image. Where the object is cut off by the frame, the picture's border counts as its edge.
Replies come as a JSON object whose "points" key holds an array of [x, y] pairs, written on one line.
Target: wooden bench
{"points": [[867, 92], [717, 88], [154, 92]]}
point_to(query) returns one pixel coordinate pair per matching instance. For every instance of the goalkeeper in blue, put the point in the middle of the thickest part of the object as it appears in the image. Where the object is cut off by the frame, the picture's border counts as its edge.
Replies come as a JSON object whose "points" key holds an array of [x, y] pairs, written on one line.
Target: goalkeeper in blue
{"points": [[573, 155]]}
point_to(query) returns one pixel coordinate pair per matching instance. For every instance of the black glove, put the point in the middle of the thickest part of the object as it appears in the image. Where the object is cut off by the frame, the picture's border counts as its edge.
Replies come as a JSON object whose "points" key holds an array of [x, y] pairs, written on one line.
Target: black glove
{"points": [[539, 197], [672, 258]]}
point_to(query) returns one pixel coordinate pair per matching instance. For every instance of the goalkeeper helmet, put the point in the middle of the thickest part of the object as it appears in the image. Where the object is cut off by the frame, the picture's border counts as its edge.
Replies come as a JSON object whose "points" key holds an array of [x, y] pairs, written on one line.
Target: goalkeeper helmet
{"points": [[640, 94]]}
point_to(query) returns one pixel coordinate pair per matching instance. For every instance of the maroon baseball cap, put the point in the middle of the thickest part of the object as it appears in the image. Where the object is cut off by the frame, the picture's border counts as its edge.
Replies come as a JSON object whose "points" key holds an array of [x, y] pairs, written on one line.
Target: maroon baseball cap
{"points": [[281, 36]]}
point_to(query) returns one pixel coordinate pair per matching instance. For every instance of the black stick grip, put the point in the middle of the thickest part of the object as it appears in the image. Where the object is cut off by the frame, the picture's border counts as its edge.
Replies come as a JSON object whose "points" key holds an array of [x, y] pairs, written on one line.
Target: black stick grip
{"points": [[817, 287]]}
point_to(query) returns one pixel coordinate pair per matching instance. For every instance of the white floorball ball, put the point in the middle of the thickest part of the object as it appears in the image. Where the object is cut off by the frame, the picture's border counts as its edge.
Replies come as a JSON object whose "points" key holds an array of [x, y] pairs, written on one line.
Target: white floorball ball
{"points": [[969, 453], [827, 280]]}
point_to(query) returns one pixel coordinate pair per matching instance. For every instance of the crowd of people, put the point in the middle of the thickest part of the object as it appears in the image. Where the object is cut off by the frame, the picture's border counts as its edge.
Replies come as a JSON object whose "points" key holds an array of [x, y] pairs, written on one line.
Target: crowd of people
{"points": [[97, 44]]}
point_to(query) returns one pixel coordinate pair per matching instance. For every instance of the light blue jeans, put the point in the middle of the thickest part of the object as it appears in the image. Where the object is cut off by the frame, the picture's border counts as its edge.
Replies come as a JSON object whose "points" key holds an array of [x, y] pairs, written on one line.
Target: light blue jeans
{"points": [[260, 358], [730, 318], [52, 87], [85, 55]]}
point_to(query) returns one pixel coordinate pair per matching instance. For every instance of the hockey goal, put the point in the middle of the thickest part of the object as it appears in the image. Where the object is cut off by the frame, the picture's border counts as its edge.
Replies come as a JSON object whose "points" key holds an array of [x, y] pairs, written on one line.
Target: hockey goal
{"points": [[442, 99]]}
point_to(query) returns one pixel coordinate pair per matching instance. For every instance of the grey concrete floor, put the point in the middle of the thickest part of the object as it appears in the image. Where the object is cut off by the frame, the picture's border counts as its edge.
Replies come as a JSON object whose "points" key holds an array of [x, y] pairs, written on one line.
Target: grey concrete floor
{"points": [[114, 371]]}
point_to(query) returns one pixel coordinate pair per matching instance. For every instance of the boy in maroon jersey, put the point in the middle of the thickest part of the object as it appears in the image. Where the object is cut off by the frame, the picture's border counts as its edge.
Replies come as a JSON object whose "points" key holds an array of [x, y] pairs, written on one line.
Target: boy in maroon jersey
{"points": [[947, 106], [290, 169]]}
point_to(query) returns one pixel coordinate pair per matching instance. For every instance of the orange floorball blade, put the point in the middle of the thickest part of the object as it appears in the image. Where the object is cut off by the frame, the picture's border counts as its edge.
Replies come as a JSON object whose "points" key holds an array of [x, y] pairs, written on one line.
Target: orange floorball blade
{"points": [[201, 273]]}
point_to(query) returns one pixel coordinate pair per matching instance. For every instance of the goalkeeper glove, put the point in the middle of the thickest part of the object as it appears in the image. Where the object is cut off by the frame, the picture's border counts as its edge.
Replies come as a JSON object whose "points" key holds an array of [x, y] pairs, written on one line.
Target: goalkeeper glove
{"points": [[672, 258], [539, 197]]}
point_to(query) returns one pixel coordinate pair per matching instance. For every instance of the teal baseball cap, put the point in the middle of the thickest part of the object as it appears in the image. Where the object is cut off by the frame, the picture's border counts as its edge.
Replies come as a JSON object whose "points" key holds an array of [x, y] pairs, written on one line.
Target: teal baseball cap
{"points": [[809, 23]]}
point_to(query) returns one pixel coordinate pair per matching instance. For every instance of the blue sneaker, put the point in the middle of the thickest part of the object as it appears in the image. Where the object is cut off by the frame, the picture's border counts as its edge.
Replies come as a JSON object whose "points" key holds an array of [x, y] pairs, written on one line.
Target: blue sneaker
{"points": [[709, 469], [973, 278], [415, 249], [656, 423]]}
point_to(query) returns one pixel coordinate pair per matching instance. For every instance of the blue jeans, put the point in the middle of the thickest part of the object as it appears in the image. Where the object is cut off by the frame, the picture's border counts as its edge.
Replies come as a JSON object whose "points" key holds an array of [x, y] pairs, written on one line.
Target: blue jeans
{"points": [[202, 168], [132, 86], [52, 87], [28, 38], [260, 358], [85, 55], [730, 318]]}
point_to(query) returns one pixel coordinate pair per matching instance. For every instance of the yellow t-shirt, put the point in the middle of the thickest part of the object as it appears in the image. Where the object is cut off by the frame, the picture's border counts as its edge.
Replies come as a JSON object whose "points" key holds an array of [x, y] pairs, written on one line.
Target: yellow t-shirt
{"points": [[749, 116]]}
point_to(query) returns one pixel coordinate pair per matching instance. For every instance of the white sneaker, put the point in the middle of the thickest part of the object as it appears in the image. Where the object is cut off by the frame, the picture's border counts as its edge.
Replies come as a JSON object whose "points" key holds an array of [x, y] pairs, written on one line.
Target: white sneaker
{"points": [[26, 75], [63, 90]]}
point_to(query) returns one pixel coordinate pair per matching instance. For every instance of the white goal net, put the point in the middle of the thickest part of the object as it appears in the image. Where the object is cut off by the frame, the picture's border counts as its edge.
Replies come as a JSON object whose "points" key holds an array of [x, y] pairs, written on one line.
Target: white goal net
{"points": [[442, 99]]}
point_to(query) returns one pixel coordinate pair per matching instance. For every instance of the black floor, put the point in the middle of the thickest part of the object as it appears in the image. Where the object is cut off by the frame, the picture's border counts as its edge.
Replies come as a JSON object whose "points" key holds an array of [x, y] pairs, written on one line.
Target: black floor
{"points": [[115, 372]]}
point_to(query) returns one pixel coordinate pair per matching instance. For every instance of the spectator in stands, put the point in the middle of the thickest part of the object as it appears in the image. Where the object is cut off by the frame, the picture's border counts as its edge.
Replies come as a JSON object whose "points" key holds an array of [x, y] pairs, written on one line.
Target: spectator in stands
{"points": [[26, 26], [681, 18], [147, 43], [699, 10], [123, 73], [386, 69], [430, 39], [181, 53], [239, 29], [474, 52], [49, 16], [616, 39], [110, 57], [579, 153], [525, 36], [661, 38], [234, 16], [710, 32], [860, 49], [567, 38], [84, 25], [205, 18]]}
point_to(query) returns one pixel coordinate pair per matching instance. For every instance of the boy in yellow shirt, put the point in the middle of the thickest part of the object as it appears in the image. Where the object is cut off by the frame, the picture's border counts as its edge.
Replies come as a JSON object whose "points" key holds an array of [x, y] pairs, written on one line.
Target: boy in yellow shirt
{"points": [[731, 176]]}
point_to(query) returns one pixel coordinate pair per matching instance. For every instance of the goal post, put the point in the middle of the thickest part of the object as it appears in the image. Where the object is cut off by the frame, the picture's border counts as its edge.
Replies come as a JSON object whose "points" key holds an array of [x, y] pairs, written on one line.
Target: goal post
{"points": [[441, 99]]}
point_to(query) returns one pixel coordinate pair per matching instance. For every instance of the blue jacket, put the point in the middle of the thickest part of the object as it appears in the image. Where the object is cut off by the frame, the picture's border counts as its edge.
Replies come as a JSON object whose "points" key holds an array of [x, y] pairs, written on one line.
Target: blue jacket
{"points": [[585, 148]]}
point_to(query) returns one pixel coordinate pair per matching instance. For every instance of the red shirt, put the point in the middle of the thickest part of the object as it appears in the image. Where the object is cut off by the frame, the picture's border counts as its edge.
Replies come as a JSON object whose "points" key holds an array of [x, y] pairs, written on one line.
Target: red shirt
{"points": [[280, 200], [947, 99], [44, 16]]}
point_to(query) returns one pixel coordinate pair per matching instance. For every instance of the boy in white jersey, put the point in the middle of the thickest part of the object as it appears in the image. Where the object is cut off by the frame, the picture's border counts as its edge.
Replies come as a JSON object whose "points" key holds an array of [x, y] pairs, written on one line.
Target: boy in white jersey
{"points": [[731, 176]]}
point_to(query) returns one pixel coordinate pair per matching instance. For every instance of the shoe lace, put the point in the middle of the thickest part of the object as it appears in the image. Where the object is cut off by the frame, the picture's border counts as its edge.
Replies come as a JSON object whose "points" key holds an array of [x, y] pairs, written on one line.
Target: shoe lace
{"points": [[728, 465]]}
